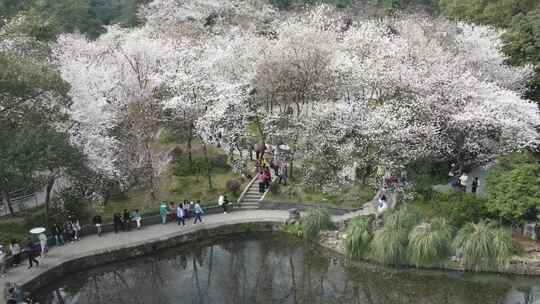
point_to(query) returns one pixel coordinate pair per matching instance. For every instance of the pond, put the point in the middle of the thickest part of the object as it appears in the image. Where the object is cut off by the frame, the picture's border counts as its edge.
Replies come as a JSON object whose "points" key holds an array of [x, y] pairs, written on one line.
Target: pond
{"points": [[276, 268]]}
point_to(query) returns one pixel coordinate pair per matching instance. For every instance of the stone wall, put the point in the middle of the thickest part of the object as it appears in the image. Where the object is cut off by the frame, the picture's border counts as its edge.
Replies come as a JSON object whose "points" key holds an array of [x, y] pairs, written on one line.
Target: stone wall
{"points": [[302, 207], [99, 258]]}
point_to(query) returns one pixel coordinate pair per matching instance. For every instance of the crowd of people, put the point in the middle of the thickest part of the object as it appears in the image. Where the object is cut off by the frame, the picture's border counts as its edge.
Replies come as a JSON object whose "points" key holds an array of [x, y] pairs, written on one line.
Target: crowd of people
{"points": [[69, 231], [265, 166], [460, 180]]}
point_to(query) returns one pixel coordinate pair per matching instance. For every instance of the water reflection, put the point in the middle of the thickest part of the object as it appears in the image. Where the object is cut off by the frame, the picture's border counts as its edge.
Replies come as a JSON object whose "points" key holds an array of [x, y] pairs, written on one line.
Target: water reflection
{"points": [[276, 269]]}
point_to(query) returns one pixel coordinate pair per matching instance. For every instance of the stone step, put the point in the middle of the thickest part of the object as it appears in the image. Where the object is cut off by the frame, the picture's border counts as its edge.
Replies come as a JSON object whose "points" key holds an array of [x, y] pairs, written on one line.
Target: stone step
{"points": [[248, 203], [249, 208], [252, 201], [253, 194]]}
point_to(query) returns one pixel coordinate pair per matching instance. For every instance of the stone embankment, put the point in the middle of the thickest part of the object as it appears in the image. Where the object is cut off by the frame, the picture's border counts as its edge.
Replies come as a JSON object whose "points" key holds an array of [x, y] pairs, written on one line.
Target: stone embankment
{"points": [[92, 251]]}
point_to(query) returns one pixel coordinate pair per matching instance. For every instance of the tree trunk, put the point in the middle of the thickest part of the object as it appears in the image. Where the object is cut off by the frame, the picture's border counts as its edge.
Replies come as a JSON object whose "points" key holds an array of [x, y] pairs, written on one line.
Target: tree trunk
{"points": [[208, 167], [291, 168], [189, 146], [7, 202], [50, 185], [259, 128]]}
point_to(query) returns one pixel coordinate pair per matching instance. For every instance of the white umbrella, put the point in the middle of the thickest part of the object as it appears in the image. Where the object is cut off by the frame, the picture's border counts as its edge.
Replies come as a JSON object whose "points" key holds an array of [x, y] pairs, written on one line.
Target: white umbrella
{"points": [[37, 230]]}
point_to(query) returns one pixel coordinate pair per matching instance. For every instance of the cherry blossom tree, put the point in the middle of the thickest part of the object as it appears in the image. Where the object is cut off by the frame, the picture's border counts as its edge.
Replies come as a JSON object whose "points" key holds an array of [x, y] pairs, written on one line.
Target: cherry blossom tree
{"points": [[115, 88]]}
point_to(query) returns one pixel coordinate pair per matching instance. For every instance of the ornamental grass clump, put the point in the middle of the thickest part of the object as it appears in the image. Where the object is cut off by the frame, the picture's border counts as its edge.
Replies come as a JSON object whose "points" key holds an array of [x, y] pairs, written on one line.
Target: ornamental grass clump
{"points": [[484, 246], [389, 245], [430, 243], [314, 221], [358, 236]]}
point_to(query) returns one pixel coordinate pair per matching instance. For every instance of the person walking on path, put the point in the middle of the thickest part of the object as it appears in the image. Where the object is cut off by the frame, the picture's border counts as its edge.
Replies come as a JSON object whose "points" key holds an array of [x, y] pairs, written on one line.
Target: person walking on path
{"points": [[198, 213], [15, 249], [136, 216], [58, 231], [267, 178], [163, 211], [191, 209], [185, 205], [76, 229], [68, 231], [126, 219], [475, 184], [117, 222], [3, 260], [262, 182], [180, 215], [43, 244], [223, 202], [463, 181], [97, 221], [30, 255], [172, 213]]}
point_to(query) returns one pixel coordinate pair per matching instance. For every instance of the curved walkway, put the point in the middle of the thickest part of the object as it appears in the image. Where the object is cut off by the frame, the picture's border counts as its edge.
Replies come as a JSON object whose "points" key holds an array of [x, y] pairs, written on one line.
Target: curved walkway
{"points": [[91, 245]]}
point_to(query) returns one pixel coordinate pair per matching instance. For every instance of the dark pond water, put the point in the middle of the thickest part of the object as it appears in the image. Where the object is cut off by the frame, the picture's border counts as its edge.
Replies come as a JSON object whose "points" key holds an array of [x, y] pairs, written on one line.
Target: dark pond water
{"points": [[275, 268]]}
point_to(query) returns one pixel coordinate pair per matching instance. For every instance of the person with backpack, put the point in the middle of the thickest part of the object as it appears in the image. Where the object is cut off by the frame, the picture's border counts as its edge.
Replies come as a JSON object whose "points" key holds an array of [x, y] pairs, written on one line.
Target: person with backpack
{"points": [[198, 212]]}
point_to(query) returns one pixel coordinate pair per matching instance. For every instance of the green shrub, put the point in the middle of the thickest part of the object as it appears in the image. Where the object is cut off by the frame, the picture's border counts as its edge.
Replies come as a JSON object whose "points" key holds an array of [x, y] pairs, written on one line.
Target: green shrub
{"points": [[430, 243], [314, 221], [457, 207], [296, 229], [389, 244], [358, 236], [513, 186], [484, 246]]}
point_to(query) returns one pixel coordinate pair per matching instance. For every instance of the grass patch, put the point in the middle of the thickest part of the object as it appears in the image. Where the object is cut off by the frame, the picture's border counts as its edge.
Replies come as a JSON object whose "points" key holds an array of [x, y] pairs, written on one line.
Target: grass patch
{"points": [[353, 196]]}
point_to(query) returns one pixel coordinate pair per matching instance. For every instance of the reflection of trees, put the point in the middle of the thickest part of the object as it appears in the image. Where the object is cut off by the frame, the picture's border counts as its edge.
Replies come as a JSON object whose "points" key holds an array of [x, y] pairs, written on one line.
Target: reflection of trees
{"points": [[276, 271]]}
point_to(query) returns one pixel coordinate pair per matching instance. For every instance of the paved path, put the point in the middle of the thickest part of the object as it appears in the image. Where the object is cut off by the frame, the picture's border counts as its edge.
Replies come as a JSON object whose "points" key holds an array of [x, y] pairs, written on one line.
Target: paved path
{"points": [[480, 172], [111, 241]]}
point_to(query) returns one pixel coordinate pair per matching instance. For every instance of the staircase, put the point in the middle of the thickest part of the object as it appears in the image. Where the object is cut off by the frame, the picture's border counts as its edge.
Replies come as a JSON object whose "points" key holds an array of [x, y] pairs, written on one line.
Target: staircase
{"points": [[251, 197]]}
